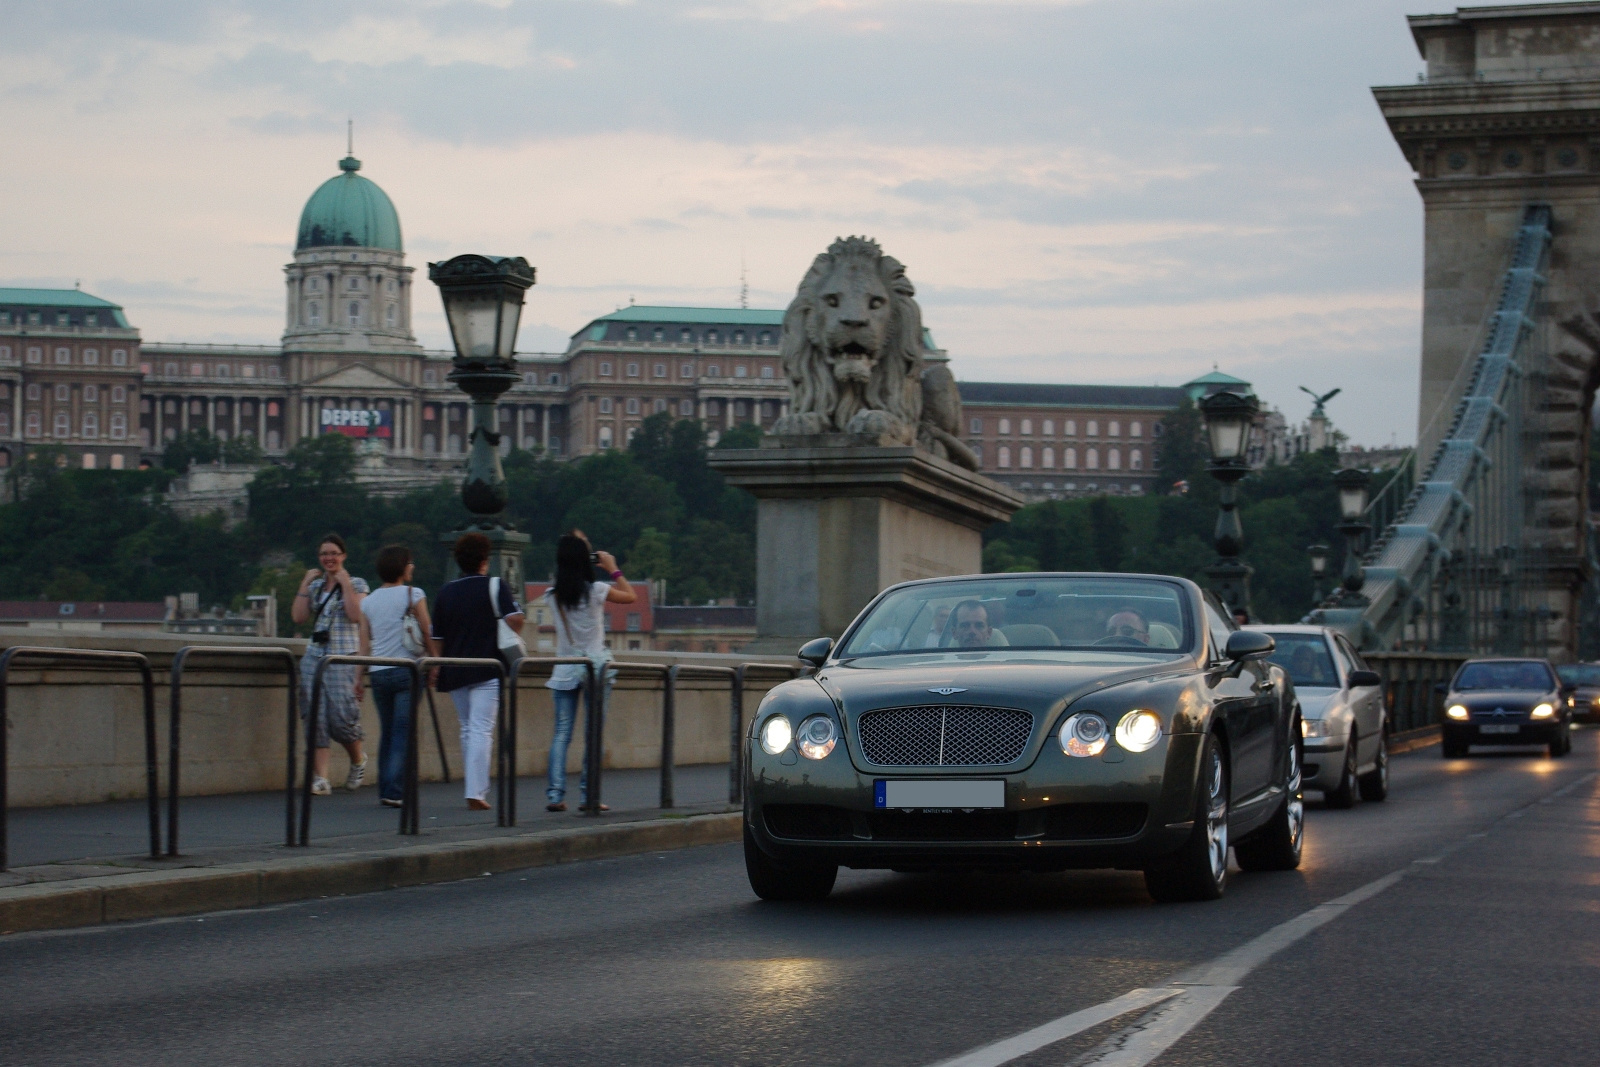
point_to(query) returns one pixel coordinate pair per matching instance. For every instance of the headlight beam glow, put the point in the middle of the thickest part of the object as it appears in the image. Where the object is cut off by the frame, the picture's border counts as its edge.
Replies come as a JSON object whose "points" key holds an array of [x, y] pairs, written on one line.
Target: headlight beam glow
{"points": [[1139, 730], [776, 733], [1457, 711]]}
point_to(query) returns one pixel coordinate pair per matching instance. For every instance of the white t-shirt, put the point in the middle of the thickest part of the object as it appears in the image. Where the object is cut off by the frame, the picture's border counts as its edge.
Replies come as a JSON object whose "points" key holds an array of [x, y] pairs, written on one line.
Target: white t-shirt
{"points": [[586, 636], [385, 609]]}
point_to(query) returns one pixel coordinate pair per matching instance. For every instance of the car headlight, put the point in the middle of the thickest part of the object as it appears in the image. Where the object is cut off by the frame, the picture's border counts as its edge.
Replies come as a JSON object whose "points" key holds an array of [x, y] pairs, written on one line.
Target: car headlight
{"points": [[776, 733], [1139, 730], [816, 737], [1457, 711], [1543, 711], [1313, 727], [1084, 734]]}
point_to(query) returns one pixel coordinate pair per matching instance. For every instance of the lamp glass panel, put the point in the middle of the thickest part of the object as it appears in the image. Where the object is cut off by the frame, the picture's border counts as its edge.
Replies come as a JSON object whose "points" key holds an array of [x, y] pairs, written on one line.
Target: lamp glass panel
{"points": [[1353, 502], [1319, 562], [474, 320], [510, 315], [1227, 436]]}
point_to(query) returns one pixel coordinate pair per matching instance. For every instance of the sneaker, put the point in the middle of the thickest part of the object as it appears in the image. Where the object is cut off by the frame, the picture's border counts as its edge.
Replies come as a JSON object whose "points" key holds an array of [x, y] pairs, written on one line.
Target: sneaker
{"points": [[321, 788], [556, 805], [386, 802], [358, 772]]}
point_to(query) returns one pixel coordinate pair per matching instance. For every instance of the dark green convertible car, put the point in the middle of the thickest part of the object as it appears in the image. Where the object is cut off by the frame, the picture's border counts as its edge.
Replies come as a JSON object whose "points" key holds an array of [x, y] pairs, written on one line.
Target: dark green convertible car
{"points": [[1028, 721]]}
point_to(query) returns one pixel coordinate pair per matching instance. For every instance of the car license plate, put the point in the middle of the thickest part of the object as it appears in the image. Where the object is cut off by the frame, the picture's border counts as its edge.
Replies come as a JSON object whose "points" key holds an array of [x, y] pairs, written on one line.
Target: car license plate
{"points": [[1499, 728], [938, 794]]}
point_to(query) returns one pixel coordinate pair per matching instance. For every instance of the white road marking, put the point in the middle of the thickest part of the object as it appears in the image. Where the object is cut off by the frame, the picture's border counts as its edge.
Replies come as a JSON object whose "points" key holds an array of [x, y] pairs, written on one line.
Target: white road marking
{"points": [[1059, 1029], [1158, 1030]]}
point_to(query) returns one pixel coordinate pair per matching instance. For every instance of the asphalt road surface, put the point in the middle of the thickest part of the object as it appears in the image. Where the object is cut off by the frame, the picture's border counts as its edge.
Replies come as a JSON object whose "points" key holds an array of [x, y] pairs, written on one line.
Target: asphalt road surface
{"points": [[1455, 924]]}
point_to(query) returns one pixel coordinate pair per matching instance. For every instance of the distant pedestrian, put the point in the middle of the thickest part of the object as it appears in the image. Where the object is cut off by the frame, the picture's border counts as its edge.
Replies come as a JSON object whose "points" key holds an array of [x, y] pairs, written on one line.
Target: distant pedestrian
{"points": [[394, 625], [465, 623], [578, 605], [330, 600]]}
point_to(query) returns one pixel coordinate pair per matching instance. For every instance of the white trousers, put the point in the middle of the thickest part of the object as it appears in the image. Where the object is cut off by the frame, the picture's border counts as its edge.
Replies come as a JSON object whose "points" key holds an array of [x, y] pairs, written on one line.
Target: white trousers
{"points": [[476, 706]]}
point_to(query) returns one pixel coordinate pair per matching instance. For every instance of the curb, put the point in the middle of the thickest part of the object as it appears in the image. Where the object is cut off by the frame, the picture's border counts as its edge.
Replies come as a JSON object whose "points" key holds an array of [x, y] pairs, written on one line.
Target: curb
{"points": [[160, 894]]}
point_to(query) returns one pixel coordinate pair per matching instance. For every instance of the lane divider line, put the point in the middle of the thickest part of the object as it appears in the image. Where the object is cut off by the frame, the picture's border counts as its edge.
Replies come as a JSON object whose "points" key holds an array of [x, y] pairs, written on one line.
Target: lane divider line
{"points": [[1059, 1029], [1157, 1030]]}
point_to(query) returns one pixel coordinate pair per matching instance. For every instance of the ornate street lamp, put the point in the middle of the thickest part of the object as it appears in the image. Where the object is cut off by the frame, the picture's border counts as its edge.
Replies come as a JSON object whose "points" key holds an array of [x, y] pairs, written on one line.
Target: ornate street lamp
{"points": [[1229, 419], [483, 298], [1319, 566], [1352, 485]]}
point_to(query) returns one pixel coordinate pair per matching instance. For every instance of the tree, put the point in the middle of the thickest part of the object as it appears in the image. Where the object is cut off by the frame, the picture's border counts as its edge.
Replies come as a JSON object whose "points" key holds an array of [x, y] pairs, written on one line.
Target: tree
{"points": [[1181, 454], [651, 556], [192, 446]]}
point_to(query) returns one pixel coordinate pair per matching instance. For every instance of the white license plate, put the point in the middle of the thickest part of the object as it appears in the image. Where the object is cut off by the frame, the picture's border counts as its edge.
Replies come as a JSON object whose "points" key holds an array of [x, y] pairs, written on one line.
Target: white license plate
{"points": [[1499, 728], [937, 794]]}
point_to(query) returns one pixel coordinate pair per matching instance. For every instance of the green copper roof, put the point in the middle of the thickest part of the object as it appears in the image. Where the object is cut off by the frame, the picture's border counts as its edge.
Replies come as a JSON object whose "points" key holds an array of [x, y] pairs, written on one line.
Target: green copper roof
{"points": [[54, 298], [717, 316], [349, 210], [1217, 377]]}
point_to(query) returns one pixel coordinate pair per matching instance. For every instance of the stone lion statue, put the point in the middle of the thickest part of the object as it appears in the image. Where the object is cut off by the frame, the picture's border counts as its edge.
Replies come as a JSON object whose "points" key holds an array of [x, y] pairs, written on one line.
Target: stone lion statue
{"points": [[852, 350]]}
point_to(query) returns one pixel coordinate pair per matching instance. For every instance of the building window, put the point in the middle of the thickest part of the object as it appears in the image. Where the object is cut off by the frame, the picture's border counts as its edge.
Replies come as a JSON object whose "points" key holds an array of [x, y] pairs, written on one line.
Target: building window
{"points": [[33, 391], [119, 357], [686, 408], [1070, 427], [316, 285], [91, 424], [88, 461], [355, 313], [555, 379], [248, 370], [274, 440], [741, 408], [605, 370], [389, 315], [1114, 459], [63, 424], [272, 370], [1091, 459], [767, 372], [1027, 427], [686, 371], [34, 429], [355, 283], [314, 313], [455, 444], [63, 319], [975, 426], [658, 335], [35, 355], [224, 370], [635, 622], [741, 371], [605, 437], [605, 405], [63, 356], [430, 443], [1047, 458], [1026, 459], [197, 370], [91, 357], [119, 394], [713, 371], [977, 450], [633, 370], [91, 394], [1136, 460], [660, 405], [1135, 430], [631, 333], [685, 337], [5, 353], [63, 393], [430, 377], [633, 405], [661, 370], [5, 424], [196, 407], [272, 409], [170, 407], [1113, 428], [1048, 427], [712, 337], [1069, 459], [738, 337], [1005, 456], [1094, 428], [1005, 425]]}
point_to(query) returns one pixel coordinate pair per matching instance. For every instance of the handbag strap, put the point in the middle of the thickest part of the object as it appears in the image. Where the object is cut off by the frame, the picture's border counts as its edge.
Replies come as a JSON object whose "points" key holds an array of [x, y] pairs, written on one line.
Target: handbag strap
{"points": [[494, 598], [330, 590]]}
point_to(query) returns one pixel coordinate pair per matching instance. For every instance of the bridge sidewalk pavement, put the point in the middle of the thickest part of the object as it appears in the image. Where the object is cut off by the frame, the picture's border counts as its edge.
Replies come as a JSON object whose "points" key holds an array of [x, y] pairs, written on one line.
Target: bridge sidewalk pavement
{"points": [[87, 864]]}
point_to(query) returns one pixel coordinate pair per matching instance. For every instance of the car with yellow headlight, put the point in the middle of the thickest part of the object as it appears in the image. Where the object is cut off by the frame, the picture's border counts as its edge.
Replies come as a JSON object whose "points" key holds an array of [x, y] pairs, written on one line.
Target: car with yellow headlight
{"points": [[1506, 702], [1040, 722], [1583, 697]]}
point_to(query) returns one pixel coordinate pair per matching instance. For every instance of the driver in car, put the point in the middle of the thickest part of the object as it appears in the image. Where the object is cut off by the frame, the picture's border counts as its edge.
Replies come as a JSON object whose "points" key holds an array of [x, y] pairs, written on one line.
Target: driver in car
{"points": [[972, 624], [1127, 627]]}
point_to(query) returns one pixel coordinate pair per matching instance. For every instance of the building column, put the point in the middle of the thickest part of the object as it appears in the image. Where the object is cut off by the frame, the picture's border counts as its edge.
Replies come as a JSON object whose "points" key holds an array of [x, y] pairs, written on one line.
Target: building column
{"points": [[211, 414], [183, 415], [544, 427], [727, 413], [235, 405], [261, 422]]}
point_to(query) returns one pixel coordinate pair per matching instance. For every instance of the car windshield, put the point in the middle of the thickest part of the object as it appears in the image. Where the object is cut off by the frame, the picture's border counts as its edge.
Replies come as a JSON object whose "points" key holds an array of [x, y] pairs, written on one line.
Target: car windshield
{"points": [[1580, 673], [1050, 613], [1306, 658], [1510, 674]]}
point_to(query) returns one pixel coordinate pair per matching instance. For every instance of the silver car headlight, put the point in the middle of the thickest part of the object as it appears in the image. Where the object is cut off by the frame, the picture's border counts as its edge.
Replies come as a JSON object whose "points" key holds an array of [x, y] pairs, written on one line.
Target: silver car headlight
{"points": [[1313, 727], [1139, 730], [816, 737], [1084, 734], [1543, 711], [776, 733]]}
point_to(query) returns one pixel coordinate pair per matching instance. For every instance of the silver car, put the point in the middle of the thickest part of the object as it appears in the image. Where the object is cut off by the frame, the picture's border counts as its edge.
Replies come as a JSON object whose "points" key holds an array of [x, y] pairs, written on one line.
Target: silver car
{"points": [[1342, 713]]}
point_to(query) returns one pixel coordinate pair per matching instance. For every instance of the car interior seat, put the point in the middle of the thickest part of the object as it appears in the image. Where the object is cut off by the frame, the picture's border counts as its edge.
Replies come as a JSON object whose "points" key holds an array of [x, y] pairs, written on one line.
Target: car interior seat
{"points": [[1034, 634]]}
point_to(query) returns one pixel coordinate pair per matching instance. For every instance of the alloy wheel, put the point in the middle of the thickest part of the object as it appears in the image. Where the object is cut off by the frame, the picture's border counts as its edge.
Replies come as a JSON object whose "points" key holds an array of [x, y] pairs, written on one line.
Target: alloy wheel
{"points": [[1217, 819], [1296, 804]]}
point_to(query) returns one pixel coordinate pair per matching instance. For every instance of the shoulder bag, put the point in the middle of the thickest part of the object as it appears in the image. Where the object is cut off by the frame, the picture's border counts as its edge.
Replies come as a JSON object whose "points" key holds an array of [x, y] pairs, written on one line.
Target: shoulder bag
{"points": [[507, 640], [411, 629]]}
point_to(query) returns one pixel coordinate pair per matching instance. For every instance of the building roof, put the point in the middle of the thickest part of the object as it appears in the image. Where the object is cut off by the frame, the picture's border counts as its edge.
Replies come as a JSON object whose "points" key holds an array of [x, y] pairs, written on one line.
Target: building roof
{"points": [[85, 611], [1163, 397], [60, 299], [1216, 377], [709, 316], [349, 210], [694, 617]]}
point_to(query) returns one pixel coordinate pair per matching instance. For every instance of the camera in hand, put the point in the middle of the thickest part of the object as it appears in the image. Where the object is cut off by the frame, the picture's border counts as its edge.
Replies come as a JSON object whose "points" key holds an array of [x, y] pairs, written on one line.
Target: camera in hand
{"points": [[594, 559], [320, 637]]}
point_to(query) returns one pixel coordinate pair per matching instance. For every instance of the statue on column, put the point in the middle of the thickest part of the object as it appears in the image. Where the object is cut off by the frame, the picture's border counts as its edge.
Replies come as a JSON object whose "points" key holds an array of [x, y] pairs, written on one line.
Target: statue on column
{"points": [[852, 351]]}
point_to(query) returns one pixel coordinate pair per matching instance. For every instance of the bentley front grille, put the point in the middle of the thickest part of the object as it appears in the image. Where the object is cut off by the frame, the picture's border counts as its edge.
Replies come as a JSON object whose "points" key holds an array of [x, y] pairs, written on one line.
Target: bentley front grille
{"points": [[940, 735]]}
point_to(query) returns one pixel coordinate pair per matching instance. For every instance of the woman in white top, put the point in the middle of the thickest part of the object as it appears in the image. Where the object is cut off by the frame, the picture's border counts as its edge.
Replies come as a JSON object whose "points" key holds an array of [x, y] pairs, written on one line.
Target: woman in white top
{"points": [[383, 633], [577, 603]]}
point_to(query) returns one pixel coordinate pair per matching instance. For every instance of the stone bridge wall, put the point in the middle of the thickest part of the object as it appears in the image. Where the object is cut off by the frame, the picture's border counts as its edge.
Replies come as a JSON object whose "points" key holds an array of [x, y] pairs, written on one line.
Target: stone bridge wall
{"points": [[76, 735]]}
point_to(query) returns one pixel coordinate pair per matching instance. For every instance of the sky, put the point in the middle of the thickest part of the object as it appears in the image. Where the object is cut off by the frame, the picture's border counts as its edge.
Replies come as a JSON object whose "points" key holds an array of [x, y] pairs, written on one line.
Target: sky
{"points": [[1108, 191]]}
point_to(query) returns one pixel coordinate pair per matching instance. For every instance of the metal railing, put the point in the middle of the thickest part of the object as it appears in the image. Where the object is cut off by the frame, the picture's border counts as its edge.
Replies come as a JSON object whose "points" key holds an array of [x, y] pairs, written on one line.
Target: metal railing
{"points": [[175, 718], [593, 725], [89, 657], [1409, 698]]}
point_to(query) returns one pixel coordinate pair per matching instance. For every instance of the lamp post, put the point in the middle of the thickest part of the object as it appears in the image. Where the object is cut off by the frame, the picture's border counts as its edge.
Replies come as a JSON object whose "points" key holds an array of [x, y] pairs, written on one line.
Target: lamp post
{"points": [[1506, 559], [483, 298], [1319, 567], [1229, 419], [1352, 486]]}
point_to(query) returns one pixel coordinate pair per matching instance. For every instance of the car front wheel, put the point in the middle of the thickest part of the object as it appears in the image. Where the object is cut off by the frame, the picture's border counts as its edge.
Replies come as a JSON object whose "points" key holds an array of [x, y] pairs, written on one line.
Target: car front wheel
{"points": [[1344, 795], [1375, 783], [772, 882], [1199, 870], [1277, 845]]}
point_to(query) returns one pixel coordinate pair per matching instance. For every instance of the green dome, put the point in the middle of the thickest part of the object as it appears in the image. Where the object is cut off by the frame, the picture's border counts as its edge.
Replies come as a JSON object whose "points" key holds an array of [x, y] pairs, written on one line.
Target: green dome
{"points": [[349, 210]]}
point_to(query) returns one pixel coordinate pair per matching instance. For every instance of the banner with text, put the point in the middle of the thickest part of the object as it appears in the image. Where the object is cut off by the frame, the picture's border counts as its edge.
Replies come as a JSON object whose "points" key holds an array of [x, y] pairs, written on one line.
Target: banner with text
{"points": [[358, 422]]}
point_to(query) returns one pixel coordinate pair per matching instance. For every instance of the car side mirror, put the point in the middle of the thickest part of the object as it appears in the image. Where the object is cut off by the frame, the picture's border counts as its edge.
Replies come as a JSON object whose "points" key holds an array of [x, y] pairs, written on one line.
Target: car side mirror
{"points": [[1364, 679], [815, 651], [1249, 644]]}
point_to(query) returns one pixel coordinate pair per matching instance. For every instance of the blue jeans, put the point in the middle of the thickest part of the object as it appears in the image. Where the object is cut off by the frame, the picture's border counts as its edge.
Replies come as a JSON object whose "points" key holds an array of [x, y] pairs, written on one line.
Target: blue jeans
{"points": [[391, 692], [566, 713]]}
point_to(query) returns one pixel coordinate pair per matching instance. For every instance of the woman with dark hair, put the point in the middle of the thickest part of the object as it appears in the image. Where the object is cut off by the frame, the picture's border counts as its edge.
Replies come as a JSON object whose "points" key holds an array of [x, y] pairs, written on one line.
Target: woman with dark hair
{"points": [[384, 632], [578, 604], [330, 600], [465, 622]]}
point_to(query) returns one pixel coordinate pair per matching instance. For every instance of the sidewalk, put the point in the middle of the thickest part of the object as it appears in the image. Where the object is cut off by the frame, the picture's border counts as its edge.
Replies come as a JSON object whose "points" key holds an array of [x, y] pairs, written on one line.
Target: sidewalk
{"points": [[86, 864]]}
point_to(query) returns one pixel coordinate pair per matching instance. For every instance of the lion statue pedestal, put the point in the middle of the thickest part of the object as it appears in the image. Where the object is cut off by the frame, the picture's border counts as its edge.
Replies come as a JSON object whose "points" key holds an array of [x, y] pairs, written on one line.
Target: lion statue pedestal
{"points": [[865, 481]]}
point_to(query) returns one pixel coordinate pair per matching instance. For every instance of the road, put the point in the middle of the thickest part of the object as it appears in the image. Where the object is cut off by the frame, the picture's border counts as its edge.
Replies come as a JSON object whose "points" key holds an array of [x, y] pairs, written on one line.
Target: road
{"points": [[1484, 950]]}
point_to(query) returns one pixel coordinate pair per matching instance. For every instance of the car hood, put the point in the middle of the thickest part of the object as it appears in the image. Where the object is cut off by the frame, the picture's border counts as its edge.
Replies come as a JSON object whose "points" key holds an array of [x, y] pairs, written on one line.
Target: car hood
{"points": [[1510, 699], [1316, 701], [997, 681]]}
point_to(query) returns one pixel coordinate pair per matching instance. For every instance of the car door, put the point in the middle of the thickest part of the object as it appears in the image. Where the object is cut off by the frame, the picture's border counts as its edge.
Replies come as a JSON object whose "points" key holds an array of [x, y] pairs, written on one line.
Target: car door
{"points": [[1366, 703], [1238, 702]]}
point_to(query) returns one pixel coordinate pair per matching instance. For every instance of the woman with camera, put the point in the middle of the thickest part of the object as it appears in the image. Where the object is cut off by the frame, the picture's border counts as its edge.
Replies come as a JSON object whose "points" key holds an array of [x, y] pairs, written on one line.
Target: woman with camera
{"points": [[394, 625], [330, 600], [578, 603]]}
